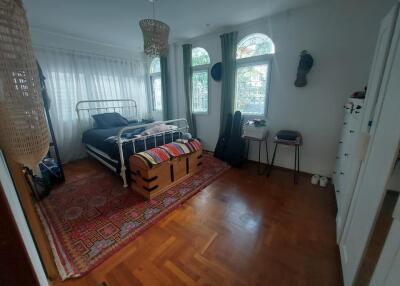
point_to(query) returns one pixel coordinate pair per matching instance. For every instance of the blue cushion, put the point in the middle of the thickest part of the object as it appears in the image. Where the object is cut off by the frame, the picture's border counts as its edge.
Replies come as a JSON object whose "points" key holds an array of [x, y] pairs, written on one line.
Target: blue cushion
{"points": [[288, 135], [109, 120]]}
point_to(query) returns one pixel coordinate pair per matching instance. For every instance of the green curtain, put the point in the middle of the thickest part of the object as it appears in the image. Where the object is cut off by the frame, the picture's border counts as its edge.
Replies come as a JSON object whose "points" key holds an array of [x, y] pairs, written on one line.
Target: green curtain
{"points": [[187, 79], [165, 88], [228, 48]]}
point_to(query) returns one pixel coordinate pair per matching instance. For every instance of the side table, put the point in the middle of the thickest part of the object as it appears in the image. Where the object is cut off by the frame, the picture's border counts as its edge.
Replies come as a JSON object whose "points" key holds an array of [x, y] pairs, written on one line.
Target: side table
{"points": [[248, 139]]}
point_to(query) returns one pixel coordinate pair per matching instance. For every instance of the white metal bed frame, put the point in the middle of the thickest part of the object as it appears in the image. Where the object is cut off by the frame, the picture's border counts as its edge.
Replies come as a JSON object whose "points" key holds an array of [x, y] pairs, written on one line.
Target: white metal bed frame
{"points": [[86, 108]]}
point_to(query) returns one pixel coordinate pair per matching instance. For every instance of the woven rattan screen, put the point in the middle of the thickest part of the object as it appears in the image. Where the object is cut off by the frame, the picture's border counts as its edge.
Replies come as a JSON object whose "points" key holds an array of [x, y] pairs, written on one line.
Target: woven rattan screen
{"points": [[23, 132]]}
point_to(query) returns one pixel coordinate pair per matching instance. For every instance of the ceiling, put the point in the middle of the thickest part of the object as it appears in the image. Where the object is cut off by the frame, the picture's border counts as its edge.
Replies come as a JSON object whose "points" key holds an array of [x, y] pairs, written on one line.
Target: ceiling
{"points": [[115, 22]]}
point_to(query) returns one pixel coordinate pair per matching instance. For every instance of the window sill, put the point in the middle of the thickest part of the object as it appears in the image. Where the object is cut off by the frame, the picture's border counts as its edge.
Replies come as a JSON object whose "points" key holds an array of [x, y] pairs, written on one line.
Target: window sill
{"points": [[252, 116]]}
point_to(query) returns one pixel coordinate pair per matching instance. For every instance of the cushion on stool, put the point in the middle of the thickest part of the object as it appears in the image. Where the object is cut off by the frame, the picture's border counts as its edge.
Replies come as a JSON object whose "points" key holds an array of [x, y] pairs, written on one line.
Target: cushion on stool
{"points": [[287, 135]]}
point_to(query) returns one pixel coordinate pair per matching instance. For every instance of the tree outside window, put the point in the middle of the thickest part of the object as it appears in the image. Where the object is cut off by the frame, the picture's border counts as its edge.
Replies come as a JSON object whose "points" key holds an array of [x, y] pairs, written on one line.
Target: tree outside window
{"points": [[252, 74], [156, 87], [200, 80]]}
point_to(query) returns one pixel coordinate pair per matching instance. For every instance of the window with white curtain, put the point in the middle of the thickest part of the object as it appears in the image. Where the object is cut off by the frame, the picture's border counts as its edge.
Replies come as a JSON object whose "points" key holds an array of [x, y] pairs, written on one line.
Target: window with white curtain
{"points": [[253, 72], [156, 84], [200, 80], [74, 76]]}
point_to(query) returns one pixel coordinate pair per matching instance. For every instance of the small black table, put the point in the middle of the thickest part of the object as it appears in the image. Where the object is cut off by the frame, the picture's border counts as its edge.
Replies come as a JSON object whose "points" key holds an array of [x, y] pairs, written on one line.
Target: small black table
{"points": [[260, 170]]}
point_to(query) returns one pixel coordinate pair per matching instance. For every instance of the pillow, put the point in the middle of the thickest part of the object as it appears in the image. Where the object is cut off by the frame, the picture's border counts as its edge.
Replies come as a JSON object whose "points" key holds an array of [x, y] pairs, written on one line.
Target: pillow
{"points": [[158, 129], [108, 120]]}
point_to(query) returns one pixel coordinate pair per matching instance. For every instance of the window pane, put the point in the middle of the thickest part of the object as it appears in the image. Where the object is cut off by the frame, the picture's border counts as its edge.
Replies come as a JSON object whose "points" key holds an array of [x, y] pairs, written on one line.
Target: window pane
{"points": [[255, 45], [251, 88], [157, 93], [200, 57], [155, 66], [200, 91]]}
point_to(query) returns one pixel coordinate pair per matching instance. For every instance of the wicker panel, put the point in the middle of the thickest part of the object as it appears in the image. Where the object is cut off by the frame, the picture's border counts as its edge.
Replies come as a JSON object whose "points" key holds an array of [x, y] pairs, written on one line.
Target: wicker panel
{"points": [[23, 132], [155, 37]]}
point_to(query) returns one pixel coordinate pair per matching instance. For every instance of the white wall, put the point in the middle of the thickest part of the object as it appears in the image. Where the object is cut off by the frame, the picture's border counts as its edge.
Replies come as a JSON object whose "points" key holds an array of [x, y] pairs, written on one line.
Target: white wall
{"points": [[341, 37]]}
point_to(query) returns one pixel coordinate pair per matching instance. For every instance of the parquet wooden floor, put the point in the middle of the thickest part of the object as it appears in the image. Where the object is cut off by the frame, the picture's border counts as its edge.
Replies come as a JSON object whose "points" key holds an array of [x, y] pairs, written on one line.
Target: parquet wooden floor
{"points": [[243, 229]]}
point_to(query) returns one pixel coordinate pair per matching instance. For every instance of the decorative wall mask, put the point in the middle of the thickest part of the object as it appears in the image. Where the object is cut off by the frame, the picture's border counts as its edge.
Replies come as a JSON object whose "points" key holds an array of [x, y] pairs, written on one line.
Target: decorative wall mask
{"points": [[305, 65], [23, 132]]}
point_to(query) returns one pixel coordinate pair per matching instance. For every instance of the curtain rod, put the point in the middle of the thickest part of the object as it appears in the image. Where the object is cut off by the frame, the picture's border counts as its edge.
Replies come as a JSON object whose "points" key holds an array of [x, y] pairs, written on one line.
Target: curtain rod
{"points": [[87, 53]]}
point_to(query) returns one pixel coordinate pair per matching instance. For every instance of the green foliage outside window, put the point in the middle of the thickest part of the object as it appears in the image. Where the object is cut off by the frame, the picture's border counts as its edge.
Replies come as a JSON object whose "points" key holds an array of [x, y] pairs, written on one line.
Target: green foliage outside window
{"points": [[200, 57]]}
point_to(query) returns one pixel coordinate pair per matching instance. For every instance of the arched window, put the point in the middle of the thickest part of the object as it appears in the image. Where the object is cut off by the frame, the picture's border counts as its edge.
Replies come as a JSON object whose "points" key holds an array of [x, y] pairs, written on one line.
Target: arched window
{"points": [[156, 88], [253, 71], [200, 71]]}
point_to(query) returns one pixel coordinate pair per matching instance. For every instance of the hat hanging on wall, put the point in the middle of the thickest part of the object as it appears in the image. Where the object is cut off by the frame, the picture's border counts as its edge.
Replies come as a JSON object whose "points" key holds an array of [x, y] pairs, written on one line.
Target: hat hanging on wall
{"points": [[305, 65], [216, 71]]}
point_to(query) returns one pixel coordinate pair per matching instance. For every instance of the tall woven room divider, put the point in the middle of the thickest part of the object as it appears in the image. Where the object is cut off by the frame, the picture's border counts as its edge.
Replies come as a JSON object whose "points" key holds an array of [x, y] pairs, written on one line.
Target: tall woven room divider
{"points": [[23, 132]]}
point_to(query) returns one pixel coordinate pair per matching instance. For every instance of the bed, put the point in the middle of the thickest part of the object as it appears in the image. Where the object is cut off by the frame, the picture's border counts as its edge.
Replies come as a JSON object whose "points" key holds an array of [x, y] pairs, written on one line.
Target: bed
{"points": [[112, 146]]}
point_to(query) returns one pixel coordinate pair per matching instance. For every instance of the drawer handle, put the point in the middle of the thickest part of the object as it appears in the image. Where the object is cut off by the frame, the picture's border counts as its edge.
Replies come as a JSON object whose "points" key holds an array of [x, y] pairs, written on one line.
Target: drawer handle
{"points": [[351, 131], [345, 154], [341, 173]]}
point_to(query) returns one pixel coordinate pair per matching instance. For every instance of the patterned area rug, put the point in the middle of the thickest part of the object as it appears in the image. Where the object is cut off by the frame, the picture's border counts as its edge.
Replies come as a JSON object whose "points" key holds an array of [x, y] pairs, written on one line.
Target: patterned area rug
{"points": [[90, 219]]}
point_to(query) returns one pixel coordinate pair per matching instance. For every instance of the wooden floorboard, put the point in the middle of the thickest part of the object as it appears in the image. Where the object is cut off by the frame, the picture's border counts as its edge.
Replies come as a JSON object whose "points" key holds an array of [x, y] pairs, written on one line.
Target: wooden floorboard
{"points": [[243, 229]]}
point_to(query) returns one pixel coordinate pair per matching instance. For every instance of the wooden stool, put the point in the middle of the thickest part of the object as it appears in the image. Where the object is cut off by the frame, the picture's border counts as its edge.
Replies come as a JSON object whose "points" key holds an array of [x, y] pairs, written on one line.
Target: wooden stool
{"points": [[289, 138]]}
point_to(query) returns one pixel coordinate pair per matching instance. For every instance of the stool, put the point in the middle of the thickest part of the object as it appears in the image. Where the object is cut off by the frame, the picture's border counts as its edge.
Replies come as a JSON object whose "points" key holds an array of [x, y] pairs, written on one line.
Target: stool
{"points": [[289, 138], [260, 170]]}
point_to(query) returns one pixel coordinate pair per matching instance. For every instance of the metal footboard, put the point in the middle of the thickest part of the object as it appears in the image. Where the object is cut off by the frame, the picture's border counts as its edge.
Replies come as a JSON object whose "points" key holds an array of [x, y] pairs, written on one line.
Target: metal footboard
{"points": [[182, 126]]}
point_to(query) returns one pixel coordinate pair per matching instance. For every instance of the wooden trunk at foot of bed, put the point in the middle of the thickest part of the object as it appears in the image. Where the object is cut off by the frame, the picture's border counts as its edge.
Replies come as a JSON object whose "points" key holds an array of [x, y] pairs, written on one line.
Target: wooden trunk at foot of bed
{"points": [[151, 182]]}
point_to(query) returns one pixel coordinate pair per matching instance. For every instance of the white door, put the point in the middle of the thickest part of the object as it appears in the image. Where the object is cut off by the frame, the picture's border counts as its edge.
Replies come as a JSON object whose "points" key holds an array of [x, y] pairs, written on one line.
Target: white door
{"points": [[387, 32], [377, 167]]}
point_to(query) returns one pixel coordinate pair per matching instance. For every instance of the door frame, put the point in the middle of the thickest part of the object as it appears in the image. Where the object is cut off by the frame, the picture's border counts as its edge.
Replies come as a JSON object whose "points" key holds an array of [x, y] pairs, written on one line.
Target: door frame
{"points": [[376, 168], [21, 222]]}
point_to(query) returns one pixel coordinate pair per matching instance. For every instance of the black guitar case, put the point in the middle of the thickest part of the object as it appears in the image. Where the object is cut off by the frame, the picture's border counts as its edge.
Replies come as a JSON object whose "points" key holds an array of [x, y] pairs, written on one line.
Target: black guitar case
{"points": [[235, 153], [223, 140]]}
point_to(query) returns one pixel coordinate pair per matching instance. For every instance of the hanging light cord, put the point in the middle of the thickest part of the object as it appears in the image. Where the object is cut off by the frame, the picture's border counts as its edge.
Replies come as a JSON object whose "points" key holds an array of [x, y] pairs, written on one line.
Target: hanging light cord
{"points": [[154, 9]]}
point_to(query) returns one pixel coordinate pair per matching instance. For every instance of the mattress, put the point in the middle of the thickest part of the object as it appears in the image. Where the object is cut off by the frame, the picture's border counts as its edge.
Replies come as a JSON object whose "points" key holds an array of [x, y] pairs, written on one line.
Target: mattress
{"points": [[105, 144]]}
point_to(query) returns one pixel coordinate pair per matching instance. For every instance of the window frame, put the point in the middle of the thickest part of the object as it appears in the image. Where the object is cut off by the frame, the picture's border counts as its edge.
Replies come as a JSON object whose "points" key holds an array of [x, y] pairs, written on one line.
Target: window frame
{"points": [[202, 68], [253, 61], [152, 77]]}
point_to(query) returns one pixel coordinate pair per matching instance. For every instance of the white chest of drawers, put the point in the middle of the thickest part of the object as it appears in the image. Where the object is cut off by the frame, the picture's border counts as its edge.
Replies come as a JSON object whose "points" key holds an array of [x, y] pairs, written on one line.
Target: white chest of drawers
{"points": [[347, 160]]}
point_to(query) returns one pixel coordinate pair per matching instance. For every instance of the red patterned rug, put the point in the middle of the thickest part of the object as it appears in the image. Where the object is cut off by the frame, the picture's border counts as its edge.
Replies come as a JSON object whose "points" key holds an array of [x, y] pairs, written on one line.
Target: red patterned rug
{"points": [[90, 219]]}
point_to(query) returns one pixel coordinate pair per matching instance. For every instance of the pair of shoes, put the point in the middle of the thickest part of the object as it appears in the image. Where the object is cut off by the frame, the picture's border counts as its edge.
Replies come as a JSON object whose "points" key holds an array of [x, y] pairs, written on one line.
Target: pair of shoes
{"points": [[321, 180]]}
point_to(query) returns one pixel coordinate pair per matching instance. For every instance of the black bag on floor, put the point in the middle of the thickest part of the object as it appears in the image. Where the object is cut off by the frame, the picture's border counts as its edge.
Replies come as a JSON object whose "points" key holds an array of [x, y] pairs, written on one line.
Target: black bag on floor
{"points": [[235, 152], [223, 140]]}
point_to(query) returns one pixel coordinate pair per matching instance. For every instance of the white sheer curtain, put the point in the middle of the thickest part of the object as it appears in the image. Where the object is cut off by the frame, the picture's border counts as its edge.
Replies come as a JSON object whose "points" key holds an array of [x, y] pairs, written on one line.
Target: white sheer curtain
{"points": [[73, 76]]}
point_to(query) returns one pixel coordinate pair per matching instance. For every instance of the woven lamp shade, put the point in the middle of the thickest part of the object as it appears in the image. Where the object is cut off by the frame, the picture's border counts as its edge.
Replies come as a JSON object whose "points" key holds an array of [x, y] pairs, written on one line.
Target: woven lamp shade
{"points": [[155, 37], [23, 132]]}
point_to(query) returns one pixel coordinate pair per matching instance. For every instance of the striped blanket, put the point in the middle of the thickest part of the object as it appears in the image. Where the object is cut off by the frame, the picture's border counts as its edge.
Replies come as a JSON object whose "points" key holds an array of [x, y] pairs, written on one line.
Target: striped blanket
{"points": [[165, 152], [176, 149], [153, 156]]}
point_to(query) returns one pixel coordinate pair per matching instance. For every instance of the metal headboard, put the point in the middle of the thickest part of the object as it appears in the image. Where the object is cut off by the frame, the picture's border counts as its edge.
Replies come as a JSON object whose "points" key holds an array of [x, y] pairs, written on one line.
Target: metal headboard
{"points": [[86, 108]]}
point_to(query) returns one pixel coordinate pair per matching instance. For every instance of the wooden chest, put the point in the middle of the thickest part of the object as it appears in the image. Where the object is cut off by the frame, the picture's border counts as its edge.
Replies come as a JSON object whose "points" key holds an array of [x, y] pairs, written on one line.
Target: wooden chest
{"points": [[152, 181]]}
